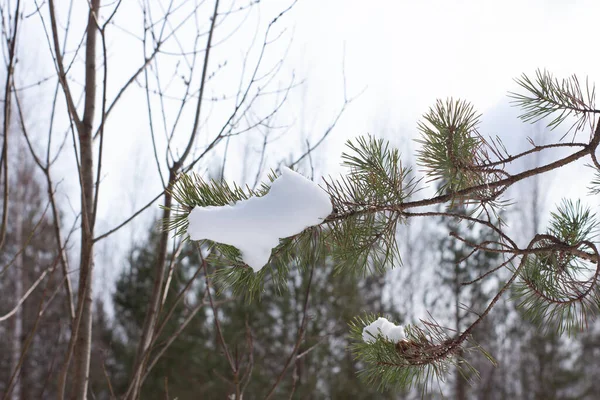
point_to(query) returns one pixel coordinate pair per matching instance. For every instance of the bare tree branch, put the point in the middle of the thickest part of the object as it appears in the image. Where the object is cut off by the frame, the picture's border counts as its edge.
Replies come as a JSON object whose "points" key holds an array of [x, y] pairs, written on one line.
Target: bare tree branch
{"points": [[155, 299], [12, 44]]}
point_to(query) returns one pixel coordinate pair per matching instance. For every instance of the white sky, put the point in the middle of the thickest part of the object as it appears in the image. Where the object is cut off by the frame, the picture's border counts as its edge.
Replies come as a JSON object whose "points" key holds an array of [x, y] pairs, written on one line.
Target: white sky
{"points": [[410, 53]]}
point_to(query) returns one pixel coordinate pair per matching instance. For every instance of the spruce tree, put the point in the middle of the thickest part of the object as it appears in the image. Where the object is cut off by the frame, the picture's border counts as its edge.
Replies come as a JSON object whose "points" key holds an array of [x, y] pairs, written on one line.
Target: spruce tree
{"points": [[586, 366], [462, 301], [30, 248], [545, 362], [182, 370], [325, 369]]}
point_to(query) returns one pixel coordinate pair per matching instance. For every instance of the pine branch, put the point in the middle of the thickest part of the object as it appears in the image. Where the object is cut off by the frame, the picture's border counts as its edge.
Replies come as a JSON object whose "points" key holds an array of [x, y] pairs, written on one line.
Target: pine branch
{"points": [[300, 250], [366, 240], [557, 288], [556, 281], [424, 357], [449, 145], [457, 156], [547, 96]]}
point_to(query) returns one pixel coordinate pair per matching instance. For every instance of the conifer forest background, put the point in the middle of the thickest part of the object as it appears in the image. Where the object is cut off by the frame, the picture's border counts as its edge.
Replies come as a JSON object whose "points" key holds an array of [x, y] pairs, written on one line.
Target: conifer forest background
{"points": [[109, 108]]}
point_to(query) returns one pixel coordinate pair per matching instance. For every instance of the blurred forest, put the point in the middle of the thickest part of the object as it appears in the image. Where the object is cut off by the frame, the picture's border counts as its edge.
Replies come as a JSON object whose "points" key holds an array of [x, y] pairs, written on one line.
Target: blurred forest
{"points": [[155, 330], [531, 364]]}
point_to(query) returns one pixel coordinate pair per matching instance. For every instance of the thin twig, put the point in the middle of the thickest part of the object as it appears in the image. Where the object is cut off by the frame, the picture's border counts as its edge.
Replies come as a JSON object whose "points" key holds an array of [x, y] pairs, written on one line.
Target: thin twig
{"points": [[300, 336]]}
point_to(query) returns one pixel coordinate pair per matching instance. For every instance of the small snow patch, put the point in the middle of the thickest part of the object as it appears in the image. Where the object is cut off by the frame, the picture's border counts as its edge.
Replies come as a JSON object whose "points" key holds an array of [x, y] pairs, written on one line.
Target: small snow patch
{"points": [[254, 226], [385, 328]]}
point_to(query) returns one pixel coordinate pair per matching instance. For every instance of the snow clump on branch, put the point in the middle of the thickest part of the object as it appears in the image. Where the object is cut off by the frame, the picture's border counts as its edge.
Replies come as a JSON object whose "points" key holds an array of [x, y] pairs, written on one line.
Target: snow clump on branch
{"points": [[388, 330], [254, 226]]}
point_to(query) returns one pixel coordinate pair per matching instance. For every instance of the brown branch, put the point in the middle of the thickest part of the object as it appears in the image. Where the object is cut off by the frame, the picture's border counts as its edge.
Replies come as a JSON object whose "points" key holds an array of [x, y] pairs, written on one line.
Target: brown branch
{"points": [[464, 193], [488, 273], [243, 95], [592, 257], [300, 337], [62, 76], [128, 220], [535, 149], [102, 122], [216, 315], [80, 340], [570, 249], [56, 218], [452, 345], [191, 142], [82, 351], [22, 249], [26, 295], [28, 341], [155, 299]]}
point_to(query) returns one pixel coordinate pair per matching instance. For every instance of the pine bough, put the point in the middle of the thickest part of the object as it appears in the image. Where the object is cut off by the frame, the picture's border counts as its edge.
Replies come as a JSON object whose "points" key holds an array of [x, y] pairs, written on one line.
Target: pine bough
{"points": [[555, 278]]}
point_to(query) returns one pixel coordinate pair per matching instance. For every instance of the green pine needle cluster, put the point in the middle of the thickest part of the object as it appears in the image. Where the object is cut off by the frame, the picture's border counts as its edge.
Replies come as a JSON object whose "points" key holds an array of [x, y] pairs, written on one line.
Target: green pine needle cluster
{"points": [[299, 251], [364, 240], [422, 359], [546, 95], [451, 149], [572, 223], [594, 187], [192, 191], [558, 289]]}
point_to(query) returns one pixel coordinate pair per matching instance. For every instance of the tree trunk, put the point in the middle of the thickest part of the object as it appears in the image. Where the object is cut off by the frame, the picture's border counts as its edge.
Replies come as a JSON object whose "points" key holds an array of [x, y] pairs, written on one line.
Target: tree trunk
{"points": [[460, 384], [151, 318], [152, 313], [18, 293], [82, 349]]}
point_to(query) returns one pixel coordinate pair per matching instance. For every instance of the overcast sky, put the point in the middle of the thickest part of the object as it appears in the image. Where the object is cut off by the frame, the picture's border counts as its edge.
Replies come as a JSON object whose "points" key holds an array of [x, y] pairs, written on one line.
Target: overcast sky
{"points": [[410, 53]]}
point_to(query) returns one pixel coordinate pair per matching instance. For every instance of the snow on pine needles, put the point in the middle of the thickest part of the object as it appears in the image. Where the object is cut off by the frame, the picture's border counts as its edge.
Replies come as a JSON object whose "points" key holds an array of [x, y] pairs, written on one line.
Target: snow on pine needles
{"points": [[254, 226], [382, 327]]}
